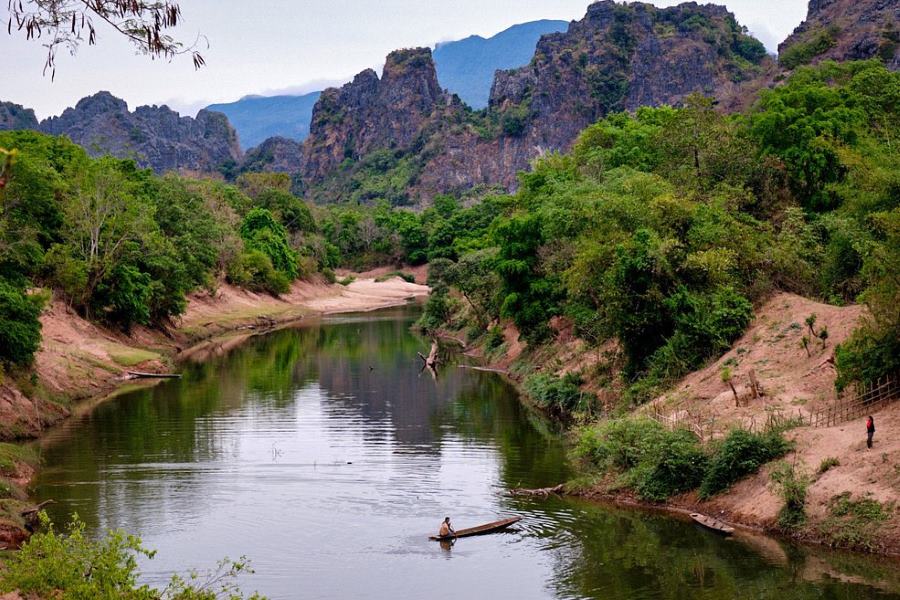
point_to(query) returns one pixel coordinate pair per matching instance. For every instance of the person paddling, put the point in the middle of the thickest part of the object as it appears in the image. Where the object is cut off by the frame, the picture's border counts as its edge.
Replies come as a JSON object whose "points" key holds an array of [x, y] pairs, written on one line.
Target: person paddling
{"points": [[446, 529], [870, 431]]}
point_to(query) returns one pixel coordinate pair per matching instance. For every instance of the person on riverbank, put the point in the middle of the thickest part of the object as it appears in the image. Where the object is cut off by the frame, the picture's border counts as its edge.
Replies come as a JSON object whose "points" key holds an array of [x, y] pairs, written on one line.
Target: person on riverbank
{"points": [[446, 529], [870, 431]]}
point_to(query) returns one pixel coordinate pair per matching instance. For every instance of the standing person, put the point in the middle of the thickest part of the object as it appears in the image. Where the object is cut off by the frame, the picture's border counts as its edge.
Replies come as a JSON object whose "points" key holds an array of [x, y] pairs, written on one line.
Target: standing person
{"points": [[870, 431], [446, 529]]}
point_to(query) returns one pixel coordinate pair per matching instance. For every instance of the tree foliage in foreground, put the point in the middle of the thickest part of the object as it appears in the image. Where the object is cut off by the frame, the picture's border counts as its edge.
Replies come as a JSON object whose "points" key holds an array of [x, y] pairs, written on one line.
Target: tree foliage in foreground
{"points": [[72, 566]]}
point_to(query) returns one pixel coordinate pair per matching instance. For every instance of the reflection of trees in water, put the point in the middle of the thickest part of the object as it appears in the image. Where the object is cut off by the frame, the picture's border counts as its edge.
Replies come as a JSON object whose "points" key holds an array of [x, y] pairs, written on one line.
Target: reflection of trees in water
{"points": [[616, 553]]}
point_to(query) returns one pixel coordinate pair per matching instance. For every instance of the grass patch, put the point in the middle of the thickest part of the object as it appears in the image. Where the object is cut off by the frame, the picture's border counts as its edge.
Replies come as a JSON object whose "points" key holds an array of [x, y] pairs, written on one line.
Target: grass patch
{"points": [[407, 277], [345, 281], [129, 357], [11, 454], [854, 523], [827, 464]]}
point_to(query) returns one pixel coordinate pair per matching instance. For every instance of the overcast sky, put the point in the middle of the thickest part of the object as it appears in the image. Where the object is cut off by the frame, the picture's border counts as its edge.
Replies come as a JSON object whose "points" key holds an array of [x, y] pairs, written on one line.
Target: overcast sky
{"points": [[266, 46]]}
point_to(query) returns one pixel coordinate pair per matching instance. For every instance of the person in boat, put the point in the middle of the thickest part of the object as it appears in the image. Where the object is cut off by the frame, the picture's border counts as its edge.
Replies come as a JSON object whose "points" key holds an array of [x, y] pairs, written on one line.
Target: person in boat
{"points": [[446, 529], [870, 431]]}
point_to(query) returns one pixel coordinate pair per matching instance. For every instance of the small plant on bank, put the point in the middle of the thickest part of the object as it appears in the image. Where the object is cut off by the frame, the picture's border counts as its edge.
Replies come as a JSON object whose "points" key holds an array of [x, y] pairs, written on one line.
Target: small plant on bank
{"points": [[791, 484], [854, 523], [823, 337], [828, 464], [494, 338], [804, 342]]}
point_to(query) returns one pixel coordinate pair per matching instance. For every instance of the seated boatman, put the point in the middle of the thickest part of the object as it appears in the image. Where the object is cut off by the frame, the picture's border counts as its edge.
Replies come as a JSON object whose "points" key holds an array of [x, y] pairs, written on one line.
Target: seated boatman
{"points": [[446, 529]]}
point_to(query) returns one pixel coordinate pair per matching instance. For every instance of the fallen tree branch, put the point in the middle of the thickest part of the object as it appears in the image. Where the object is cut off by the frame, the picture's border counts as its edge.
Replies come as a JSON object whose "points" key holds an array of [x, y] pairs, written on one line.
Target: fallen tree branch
{"points": [[541, 492]]}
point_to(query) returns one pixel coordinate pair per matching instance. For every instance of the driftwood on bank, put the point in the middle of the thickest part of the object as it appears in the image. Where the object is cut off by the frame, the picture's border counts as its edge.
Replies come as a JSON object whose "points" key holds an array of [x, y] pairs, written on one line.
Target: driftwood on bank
{"points": [[539, 492], [36, 509]]}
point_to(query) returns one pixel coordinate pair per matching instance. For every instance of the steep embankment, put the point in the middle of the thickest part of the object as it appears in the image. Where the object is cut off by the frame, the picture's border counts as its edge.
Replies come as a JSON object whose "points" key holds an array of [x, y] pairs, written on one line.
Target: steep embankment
{"points": [[793, 384]]}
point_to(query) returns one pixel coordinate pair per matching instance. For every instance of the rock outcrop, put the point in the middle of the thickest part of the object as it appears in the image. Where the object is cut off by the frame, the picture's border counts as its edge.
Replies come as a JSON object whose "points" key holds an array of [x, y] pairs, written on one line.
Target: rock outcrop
{"points": [[276, 154], [846, 30], [155, 136], [372, 113], [620, 56], [16, 116]]}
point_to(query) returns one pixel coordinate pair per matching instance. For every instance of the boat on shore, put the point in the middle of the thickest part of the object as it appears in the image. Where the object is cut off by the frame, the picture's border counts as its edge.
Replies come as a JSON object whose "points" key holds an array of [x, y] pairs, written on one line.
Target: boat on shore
{"points": [[480, 530], [712, 524]]}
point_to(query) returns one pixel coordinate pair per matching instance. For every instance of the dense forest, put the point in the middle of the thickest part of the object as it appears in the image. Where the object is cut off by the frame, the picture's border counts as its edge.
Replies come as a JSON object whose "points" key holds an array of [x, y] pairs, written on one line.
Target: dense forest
{"points": [[660, 229]]}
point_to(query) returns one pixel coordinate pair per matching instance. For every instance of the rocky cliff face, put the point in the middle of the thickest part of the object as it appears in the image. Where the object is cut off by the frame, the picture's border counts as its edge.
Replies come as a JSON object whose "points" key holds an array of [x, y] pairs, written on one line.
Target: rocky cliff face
{"points": [[846, 30], [369, 113], [276, 154], [16, 116], [620, 56], [155, 136]]}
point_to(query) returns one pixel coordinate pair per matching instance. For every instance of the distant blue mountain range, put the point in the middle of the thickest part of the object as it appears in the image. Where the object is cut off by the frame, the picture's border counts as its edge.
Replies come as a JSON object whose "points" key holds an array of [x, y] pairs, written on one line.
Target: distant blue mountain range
{"points": [[257, 118], [465, 67]]}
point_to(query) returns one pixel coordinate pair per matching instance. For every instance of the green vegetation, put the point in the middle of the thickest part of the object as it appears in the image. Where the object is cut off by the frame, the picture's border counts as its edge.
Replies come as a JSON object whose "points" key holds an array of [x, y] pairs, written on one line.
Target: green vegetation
{"points": [[658, 463], [70, 566], [827, 464], [815, 44], [661, 229], [559, 395], [792, 485], [741, 453], [853, 523]]}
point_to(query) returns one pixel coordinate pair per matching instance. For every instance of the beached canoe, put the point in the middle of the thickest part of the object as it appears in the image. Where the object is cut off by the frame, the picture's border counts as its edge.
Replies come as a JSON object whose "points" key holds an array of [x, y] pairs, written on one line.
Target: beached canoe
{"points": [[480, 530], [713, 524]]}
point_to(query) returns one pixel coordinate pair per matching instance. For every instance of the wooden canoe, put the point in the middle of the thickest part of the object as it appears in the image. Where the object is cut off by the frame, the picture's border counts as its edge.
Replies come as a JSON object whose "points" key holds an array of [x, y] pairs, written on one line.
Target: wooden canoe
{"points": [[713, 524], [480, 530], [142, 375]]}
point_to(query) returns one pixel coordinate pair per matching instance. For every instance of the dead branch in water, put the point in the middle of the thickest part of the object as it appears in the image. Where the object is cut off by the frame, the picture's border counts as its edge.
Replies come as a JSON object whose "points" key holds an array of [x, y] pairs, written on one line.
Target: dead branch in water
{"points": [[540, 492]]}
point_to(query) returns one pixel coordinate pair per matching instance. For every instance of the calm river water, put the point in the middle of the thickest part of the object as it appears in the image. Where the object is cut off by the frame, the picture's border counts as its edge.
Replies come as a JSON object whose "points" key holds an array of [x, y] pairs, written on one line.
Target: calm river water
{"points": [[322, 454]]}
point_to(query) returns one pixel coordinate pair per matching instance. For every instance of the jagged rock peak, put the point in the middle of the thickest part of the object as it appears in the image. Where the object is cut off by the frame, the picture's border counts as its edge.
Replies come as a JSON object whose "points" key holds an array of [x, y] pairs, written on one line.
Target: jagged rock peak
{"points": [[155, 136], [276, 154], [370, 113], [16, 116]]}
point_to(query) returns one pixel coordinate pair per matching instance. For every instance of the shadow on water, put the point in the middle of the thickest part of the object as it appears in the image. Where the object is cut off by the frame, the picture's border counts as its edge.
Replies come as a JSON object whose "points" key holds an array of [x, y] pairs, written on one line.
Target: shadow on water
{"points": [[324, 454]]}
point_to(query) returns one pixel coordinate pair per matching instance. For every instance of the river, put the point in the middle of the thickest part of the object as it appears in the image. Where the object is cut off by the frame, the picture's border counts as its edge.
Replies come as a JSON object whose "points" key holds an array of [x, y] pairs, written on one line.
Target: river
{"points": [[323, 454]]}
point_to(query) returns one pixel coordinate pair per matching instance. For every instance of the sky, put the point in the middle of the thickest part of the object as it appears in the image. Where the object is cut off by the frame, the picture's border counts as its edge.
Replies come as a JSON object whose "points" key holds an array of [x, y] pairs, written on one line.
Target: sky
{"points": [[293, 46]]}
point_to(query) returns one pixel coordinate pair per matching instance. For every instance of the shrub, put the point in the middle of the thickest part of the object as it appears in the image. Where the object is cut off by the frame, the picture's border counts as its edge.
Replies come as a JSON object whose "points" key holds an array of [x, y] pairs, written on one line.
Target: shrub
{"points": [[494, 338], [20, 329], [70, 566], [657, 463], [677, 464], [557, 394], [741, 453], [791, 485], [827, 464], [253, 270]]}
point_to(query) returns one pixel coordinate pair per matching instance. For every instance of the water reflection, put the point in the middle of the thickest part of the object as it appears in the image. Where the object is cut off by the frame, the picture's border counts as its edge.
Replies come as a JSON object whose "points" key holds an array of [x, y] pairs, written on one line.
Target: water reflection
{"points": [[325, 455]]}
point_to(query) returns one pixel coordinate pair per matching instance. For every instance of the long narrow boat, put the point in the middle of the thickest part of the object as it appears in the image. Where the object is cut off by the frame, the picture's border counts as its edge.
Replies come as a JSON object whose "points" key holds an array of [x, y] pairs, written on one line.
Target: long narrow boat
{"points": [[713, 524], [480, 530]]}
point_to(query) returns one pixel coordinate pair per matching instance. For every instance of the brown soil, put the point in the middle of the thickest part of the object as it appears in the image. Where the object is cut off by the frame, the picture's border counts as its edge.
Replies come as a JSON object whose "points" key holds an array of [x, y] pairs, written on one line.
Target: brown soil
{"points": [[793, 384]]}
